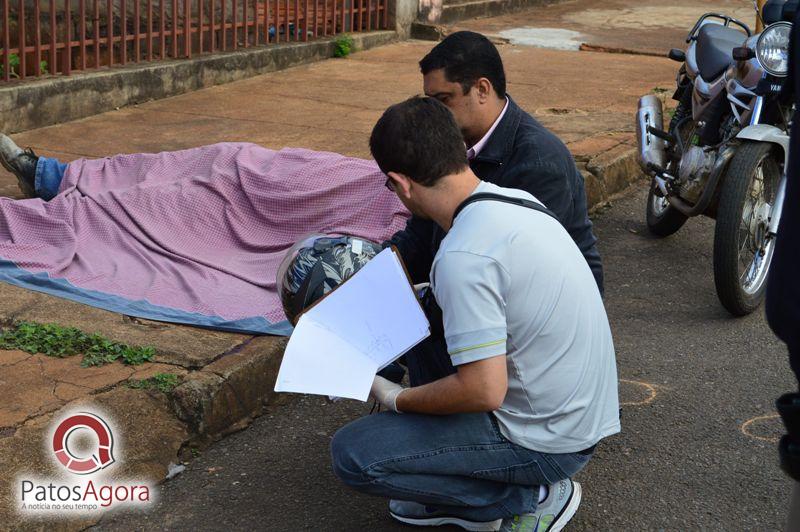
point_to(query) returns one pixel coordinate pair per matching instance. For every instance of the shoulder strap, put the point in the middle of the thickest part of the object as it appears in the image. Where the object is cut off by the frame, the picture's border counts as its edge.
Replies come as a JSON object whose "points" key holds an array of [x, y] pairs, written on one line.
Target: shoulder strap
{"points": [[483, 196]]}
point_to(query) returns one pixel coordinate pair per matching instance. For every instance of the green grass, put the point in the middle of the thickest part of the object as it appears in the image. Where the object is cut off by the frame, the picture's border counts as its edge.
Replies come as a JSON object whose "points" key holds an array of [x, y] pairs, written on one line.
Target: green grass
{"points": [[344, 46], [163, 382], [57, 341]]}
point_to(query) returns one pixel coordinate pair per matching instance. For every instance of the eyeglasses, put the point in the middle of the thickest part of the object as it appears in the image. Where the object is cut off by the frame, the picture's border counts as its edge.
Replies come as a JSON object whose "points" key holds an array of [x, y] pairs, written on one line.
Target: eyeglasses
{"points": [[390, 184]]}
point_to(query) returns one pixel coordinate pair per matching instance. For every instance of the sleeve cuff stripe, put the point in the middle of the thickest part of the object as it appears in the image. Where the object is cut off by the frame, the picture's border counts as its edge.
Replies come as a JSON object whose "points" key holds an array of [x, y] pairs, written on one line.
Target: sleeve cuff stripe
{"points": [[479, 346]]}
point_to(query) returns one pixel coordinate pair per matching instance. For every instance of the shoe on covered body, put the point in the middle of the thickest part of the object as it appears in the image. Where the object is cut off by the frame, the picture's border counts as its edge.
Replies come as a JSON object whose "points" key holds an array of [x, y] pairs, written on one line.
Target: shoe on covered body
{"points": [[552, 514], [21, 163], [414, 513]]}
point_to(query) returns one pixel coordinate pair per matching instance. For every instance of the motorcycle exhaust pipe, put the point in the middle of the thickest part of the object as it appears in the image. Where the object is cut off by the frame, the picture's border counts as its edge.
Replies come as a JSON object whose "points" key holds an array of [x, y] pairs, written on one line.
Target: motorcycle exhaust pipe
{"points": [[652, 149]]}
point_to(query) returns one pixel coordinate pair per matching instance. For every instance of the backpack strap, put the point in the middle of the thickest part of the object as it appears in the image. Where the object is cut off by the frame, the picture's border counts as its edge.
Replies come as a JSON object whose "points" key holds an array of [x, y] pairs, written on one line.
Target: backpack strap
{"points": [[483, 196]]}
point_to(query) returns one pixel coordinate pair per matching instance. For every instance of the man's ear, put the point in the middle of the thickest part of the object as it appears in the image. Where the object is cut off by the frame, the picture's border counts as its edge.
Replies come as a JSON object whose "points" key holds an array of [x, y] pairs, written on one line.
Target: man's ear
{"points": [[485, 89], [402, 184]]}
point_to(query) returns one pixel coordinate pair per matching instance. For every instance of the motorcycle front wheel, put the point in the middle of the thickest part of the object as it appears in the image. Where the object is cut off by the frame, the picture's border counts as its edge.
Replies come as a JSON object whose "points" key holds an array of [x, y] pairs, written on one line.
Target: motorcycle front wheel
{"points": [[742, 248], [662, 218]]}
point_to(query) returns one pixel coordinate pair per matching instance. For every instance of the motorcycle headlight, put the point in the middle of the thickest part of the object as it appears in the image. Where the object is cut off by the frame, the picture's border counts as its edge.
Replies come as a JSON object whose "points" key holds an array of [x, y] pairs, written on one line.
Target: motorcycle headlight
{"points": [[772, 48]]}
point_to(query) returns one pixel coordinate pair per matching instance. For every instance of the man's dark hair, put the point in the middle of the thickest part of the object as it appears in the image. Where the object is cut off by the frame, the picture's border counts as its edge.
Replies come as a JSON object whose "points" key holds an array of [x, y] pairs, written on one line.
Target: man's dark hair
{"points": [[466, 57], [418, 138]]}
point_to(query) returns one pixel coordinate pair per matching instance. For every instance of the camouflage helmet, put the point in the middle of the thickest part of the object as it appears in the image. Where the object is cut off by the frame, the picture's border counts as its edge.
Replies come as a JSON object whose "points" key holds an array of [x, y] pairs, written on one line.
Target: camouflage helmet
{"points": [[317, 264]]}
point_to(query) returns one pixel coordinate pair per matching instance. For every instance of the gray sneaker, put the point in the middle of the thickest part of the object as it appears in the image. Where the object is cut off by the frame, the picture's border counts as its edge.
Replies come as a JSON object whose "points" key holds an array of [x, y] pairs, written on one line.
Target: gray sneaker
{"points": [[414, 513], [563, 499], [21, 163]]}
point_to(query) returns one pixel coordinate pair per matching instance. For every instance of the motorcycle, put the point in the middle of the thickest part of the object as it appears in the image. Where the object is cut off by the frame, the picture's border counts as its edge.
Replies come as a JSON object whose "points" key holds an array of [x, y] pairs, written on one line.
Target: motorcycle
{"points": [[725, 151]]}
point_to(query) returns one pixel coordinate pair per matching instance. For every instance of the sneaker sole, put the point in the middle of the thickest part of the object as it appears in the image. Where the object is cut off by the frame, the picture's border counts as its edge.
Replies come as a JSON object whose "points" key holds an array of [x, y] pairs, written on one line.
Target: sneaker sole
{"points": [[568, 512], [472, 526]]}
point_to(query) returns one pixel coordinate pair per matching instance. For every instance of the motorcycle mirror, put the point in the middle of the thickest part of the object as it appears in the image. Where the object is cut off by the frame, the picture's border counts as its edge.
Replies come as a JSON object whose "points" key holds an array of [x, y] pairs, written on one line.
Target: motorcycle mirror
{"points": [[676, 54], [743, 53]]}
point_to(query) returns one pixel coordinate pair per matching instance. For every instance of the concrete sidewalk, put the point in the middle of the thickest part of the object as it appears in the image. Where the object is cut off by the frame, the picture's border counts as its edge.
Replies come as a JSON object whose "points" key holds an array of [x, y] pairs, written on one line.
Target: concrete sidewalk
{"points": [[588, 99]]}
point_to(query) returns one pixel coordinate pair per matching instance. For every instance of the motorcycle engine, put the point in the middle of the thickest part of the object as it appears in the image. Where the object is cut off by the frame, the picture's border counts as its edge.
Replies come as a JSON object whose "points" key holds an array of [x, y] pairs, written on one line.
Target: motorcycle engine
{"points": [[694, 170]]}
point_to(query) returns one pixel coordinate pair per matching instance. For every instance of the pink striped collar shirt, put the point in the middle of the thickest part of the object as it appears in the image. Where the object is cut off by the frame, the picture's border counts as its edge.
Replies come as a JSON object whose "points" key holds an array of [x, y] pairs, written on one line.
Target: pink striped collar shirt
{"points": [[476, 149]]}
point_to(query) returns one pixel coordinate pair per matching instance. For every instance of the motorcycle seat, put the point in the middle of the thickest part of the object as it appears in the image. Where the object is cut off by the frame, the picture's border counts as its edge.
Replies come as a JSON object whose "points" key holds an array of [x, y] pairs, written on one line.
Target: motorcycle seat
{"points": [[715, 44]]}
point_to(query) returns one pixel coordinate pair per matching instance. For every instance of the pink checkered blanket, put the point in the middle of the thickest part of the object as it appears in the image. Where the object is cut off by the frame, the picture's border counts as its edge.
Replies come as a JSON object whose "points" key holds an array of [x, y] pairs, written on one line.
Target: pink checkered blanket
{"points": [[193, 236]]}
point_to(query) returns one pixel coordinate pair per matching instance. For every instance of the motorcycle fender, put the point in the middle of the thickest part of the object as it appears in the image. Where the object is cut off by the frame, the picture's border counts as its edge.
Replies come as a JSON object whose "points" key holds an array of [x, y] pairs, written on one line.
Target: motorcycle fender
{"points": [[767, 133]]}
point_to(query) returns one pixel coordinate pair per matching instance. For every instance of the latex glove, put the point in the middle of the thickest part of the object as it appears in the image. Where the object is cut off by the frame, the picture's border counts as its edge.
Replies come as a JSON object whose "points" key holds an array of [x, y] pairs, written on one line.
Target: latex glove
{"points": [[385, 392]]}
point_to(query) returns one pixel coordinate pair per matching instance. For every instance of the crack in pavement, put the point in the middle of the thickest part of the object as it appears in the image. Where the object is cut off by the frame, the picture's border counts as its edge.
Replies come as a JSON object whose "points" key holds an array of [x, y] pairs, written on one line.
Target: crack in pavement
{"points": [[12, 364]]}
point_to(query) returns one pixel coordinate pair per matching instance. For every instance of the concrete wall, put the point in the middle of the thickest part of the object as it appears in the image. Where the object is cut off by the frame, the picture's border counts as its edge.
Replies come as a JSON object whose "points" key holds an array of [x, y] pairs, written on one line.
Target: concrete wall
{"points": [[441, 12], [404, 14]]}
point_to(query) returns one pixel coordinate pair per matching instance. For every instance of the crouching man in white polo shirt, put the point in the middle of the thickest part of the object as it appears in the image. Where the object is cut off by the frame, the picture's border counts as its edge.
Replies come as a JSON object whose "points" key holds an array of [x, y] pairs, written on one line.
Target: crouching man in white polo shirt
{"points": [[494, 445]]}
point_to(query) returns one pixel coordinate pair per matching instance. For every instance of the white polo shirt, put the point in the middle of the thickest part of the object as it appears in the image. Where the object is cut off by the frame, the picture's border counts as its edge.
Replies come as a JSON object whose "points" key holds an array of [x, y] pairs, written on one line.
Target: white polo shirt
{"points": [[511, 281]]}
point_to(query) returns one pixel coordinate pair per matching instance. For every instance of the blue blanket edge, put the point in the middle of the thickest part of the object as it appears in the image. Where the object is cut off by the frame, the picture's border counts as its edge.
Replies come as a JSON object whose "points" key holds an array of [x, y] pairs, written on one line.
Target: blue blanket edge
{"points": [[41, 282]]}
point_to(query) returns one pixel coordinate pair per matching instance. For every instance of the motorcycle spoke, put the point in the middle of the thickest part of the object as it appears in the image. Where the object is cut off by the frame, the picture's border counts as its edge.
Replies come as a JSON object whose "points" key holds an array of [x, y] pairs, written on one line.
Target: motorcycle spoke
{"points": [[753, 252], [752, 270]]}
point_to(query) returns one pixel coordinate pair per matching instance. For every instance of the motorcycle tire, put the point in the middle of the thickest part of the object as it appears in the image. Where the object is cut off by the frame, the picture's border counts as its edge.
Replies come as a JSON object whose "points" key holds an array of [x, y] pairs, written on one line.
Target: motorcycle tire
{"points": [[662, 218], [728, 238]]}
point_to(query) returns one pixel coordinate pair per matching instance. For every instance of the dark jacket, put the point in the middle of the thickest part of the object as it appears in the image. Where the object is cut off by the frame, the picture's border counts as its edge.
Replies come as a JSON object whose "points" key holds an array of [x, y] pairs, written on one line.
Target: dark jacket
{"points": [[783, 284], [522, 154]]}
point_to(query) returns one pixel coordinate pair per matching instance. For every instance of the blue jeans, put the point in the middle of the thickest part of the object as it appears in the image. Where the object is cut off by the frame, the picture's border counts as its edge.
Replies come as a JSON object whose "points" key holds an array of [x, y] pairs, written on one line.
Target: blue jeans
{"points": [[49, 173], [460, 463]]}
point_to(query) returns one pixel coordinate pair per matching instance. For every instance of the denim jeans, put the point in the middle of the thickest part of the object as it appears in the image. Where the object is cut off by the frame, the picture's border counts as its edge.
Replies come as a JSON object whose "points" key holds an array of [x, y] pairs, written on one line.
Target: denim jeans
{"points": [[49, 173], [459, 463]]}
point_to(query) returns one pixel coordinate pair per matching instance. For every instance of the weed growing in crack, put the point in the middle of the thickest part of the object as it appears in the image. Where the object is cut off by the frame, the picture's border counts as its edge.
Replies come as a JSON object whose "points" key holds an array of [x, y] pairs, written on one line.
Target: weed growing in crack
{"points": [[163, 382], [57, 341]]}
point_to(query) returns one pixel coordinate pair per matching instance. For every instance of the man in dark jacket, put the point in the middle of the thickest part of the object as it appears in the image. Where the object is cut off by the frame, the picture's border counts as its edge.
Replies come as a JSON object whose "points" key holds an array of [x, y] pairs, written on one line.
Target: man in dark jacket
{"points": [[505, 146], [783, 286]]}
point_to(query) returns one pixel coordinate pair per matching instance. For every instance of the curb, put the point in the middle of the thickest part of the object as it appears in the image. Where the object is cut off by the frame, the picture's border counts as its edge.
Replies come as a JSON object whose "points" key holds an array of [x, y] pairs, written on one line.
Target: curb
{"points": [[432, 27], [610, 174], [226, 395]]}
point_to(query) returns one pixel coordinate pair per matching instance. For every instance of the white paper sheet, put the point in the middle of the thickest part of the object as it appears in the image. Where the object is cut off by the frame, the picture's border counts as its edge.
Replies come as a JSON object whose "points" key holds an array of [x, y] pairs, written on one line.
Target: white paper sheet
{"points": [[361, 327], [338, 369]]}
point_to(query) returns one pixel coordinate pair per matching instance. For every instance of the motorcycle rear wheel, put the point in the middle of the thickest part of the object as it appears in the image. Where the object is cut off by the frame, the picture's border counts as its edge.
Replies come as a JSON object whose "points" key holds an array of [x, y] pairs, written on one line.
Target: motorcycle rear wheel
{"points": [[742, 250], [662, 218]]}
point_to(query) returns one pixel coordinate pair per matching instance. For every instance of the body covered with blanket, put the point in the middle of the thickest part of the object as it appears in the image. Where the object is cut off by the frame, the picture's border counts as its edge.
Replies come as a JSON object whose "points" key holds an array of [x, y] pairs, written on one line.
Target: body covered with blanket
{"points": [[192, 236]]}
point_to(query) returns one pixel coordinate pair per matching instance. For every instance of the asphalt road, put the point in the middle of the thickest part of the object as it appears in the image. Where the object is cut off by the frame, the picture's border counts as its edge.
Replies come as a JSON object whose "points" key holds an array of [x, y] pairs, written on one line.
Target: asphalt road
{"points": [[690, 378]]}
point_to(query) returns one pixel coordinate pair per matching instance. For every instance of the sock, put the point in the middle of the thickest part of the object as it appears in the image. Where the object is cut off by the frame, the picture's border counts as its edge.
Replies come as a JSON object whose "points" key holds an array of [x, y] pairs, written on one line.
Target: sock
{"points": [[542, 493]]}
